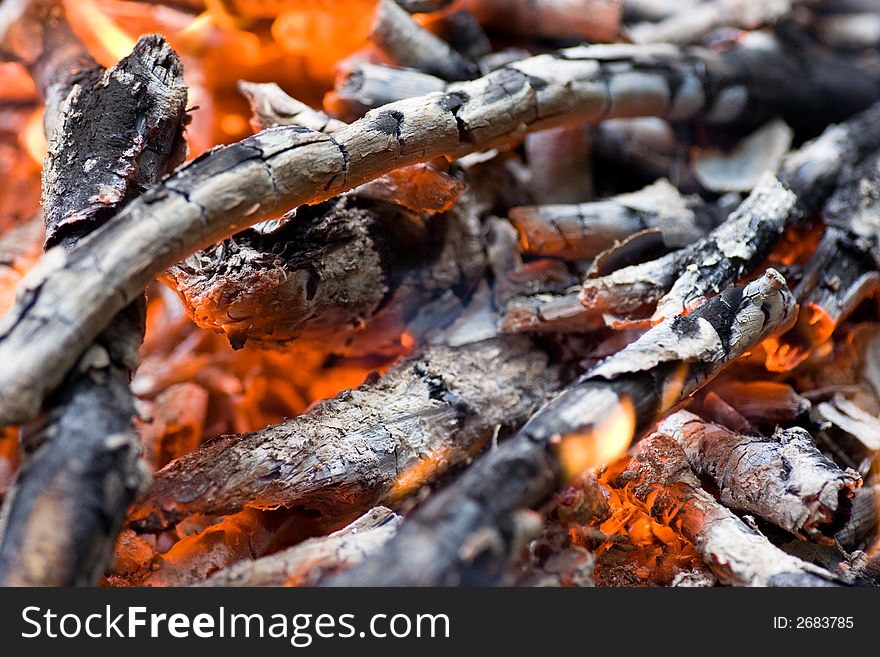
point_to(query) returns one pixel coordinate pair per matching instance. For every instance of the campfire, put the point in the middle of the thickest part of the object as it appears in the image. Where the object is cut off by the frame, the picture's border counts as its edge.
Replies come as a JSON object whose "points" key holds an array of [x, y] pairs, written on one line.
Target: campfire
{"points": [[439, 292]]}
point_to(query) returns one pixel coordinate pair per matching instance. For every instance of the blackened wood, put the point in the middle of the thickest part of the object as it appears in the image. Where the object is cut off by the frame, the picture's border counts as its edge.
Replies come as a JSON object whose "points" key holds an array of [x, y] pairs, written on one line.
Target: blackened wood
{"points": [[347, 275], [70, 299], [372, 445], [115, 137], [782, 478], [409, 44], [843, 270], [306, 563], [659, 479], [465, 533], [681, 279], [581, 231]]}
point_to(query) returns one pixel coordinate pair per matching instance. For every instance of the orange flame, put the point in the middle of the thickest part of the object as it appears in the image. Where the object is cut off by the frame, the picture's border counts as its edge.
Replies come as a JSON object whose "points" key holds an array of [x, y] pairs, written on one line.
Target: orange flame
{"points": [[601, 444]]}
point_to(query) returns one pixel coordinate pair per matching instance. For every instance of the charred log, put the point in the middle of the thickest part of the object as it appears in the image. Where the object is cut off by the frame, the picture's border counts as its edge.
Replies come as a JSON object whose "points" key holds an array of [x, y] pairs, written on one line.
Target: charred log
{"points": [[466, 533], [372, 445], [306, 563], [681, 279], [408, 44], [582, 231], [123, 130], [782, 478], [659, 479], [71, 300]]}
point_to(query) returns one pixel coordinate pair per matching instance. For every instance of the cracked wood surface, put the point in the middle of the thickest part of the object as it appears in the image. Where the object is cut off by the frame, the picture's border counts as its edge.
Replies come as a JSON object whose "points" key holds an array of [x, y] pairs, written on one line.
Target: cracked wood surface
{"points": [[466, 533], [659, 479], [375, 444], [119, 131], [72, 296], [782, 478], [681, 279]]}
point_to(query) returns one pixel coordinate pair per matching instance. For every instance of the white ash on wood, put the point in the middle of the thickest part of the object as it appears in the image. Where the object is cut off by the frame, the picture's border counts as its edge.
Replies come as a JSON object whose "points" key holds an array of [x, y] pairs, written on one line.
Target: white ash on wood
{"points": [[465, 533], [372, 445], [660, 480], [227, 189], [306, 563], [782, 478], [682, 278]]}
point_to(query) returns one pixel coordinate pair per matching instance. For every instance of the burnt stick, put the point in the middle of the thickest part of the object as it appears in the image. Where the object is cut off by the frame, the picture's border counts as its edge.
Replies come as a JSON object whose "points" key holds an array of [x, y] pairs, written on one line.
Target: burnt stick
{"points": [[464, 534], [69, 298], [118, 133]]}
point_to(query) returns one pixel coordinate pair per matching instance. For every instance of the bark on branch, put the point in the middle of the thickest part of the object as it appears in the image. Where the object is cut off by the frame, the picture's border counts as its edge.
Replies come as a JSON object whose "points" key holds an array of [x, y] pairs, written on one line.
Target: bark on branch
{"points": [[372, 445], [783, 478], [683, 278], [118, 133], [465, 533], [72, 296], [659, 479]]}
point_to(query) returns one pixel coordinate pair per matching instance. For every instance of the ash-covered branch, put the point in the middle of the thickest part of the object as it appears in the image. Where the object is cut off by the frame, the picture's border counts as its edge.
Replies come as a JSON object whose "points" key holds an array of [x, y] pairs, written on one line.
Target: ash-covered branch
{"points": [[348, 274], [782, 478], [409, 44], [581, 231], [465, 533], [68, 298], [306, 563], [842, 272], [680, 280], [659, 479], [372, 445], [117, 135]]}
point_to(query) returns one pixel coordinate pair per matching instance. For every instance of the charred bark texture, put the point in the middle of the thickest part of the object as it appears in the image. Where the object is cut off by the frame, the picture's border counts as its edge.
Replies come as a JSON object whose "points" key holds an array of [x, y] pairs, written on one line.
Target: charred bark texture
{"points": [[347, 274], [466, 533], [782, 478], [681, 279], [582, 231], [116, 136], [306, 563], [72, 296], [659, 479], [372, 445]]}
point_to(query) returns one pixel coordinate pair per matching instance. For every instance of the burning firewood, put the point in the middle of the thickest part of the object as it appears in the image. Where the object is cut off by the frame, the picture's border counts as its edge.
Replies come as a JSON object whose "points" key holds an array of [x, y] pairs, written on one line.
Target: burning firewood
{"points": [[590, 423], [81, 467], [306, 563], [376, 444], [659, 478], [269, 173], [782, 478], [682, 278], [351, 272]]}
